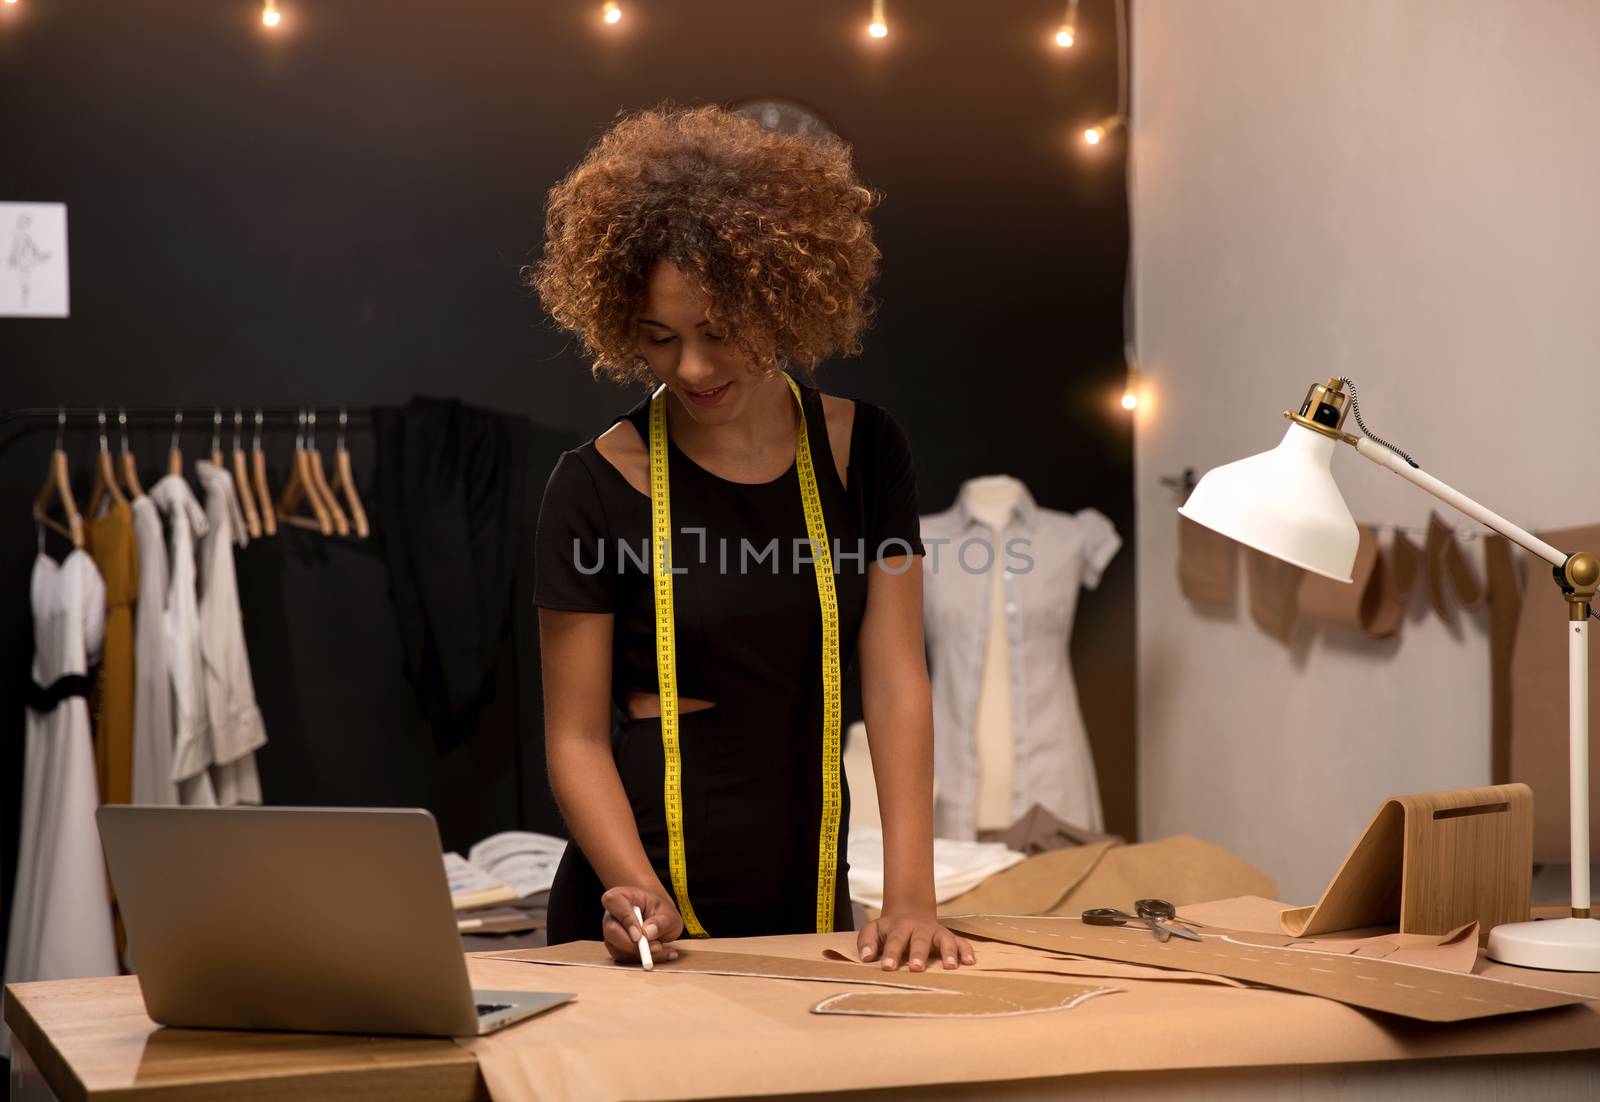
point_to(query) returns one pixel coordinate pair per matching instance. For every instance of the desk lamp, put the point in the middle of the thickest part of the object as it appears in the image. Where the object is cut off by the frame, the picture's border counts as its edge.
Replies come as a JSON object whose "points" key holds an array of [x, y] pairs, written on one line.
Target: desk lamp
{"points": [[1285, 503]]}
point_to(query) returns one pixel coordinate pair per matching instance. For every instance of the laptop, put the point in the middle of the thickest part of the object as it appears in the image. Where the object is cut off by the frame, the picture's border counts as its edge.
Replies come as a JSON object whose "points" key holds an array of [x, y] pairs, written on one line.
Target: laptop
{"points": [[322, 919]]}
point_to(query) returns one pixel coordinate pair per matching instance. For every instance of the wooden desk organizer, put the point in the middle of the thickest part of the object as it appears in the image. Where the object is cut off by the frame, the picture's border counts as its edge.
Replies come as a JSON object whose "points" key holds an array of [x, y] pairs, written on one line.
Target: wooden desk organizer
{"points": [[1432, 863]]}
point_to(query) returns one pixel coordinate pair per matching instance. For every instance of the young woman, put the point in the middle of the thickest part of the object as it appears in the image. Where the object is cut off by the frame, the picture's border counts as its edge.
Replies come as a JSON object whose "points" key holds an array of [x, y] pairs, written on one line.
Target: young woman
{"points": [[718, 263]]}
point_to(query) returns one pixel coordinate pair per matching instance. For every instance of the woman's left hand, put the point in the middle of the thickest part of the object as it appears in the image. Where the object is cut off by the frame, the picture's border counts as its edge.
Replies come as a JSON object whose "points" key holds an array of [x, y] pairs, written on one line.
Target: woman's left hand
{"points": [[913, 938]]}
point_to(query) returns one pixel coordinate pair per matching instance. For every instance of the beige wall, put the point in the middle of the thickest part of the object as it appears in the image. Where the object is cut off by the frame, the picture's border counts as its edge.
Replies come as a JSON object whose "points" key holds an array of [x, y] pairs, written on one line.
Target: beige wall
{"points": [[1406, 192]]}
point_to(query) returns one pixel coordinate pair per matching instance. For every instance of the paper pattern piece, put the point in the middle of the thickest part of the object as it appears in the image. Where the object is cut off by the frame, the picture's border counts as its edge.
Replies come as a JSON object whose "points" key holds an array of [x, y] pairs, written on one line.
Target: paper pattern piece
{"points": [[1207, 565], [1383, 607], [1367, 603], [1451, 579], [1246, 912], [1440, 539], [1009, 958], [931, 994], [1181, 869], [1033, 886], [1274, 589], [33, 260], [1456, 950], [1405, 561], [1409, 990], [749, 1039]]}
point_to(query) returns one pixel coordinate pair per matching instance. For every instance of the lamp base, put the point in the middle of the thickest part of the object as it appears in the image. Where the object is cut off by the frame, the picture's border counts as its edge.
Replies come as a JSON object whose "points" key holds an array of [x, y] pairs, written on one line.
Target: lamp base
{"points": [[1557, 944]]}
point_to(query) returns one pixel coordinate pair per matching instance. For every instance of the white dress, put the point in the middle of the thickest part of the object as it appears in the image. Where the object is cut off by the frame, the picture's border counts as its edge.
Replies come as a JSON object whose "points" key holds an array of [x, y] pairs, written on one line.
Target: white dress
{"points": [[234, 720], [191, 751], [61, 914], [152, 695]]}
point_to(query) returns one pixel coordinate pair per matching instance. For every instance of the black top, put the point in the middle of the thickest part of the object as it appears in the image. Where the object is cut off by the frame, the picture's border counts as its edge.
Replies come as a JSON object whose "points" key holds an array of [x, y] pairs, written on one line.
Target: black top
{"points": [[737, 630], [749, 639]]}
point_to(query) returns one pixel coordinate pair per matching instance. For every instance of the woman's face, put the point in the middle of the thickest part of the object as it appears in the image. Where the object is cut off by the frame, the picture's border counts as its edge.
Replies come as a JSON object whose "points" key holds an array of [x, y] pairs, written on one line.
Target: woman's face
{"points": [[707, 372]]}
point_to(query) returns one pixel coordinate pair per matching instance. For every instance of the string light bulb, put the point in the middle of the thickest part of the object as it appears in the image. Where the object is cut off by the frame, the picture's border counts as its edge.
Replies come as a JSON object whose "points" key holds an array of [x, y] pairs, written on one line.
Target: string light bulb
{"points": [[1130, 389], [612, 12], [1097, 133], [879, 27], [1068, 32], [270, 15]]}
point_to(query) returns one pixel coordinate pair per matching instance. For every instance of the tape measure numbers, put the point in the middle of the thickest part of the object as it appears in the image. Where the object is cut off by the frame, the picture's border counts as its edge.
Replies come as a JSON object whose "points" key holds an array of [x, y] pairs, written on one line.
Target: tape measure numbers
{"points": [[667, 665]]}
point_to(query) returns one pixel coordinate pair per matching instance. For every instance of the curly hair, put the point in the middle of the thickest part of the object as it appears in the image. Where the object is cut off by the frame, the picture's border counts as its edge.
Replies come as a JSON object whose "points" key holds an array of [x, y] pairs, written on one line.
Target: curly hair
{"points": [[771, 227]]}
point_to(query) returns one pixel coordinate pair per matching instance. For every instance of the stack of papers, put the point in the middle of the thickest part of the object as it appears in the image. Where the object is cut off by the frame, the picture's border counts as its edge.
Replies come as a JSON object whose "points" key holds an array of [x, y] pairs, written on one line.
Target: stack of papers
{"points": [[503, 868]]}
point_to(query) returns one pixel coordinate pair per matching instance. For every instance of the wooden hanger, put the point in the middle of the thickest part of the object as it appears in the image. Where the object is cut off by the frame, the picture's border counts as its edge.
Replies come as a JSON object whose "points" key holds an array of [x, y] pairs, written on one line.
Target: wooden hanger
{"points": [[301, 488], [58, 487], [130, 465], [217, 461], [346, 481], [258, 471], [105, 479], [175, 453], [241, 479], [319, 479], [216, 439]]}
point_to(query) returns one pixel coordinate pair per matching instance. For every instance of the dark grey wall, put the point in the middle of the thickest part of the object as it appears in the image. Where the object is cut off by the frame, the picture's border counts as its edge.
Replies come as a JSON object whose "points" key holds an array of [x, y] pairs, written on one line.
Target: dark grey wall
{"points": [[335, 214]]}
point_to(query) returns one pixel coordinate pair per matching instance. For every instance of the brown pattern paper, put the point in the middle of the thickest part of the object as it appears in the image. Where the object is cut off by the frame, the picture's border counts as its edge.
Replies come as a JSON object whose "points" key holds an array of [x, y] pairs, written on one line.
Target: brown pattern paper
{"points": [[1367, 603]]}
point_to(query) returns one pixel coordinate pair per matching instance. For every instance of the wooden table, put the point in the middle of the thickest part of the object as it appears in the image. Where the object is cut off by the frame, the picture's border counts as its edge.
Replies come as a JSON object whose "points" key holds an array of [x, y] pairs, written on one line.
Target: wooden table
{"points": [[90, 1039]]}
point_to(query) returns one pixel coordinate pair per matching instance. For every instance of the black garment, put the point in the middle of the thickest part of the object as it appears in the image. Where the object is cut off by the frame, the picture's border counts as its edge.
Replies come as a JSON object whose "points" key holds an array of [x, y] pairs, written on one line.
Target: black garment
{"points": [[451, 485], [749, 640], [44, 698]]}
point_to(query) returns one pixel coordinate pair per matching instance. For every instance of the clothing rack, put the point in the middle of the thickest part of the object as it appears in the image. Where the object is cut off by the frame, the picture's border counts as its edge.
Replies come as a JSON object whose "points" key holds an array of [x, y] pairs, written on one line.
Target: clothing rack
{"points": [[197, 420], [15, 423]]}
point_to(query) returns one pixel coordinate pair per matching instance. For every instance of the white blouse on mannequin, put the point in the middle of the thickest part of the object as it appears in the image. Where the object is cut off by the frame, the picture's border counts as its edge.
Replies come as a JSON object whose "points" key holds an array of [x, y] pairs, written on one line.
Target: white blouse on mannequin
{"points": [[1007, 729]]}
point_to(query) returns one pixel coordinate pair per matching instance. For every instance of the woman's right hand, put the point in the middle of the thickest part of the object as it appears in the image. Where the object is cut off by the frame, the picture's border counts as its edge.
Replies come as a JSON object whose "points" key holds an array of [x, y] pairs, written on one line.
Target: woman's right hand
{"points": [[662, 923]]}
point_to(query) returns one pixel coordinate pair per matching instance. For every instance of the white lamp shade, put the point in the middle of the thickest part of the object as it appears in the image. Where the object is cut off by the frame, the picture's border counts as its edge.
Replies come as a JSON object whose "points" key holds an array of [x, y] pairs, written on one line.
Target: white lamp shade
{"points": [[1283, 502]]}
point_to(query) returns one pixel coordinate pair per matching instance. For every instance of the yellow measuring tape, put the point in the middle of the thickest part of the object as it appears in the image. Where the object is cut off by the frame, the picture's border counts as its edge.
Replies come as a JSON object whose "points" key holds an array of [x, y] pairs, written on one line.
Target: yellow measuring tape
{"points": [[667, 664]]}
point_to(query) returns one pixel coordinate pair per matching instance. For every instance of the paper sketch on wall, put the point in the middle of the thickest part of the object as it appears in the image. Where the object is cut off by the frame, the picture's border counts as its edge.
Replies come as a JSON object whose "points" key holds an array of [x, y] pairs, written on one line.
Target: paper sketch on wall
{"points": [[33, 260]]}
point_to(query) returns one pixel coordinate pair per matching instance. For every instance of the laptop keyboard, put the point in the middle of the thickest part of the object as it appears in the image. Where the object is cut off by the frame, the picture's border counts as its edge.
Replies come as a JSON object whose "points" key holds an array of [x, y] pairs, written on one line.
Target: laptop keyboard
{"points": [[485, 1009]]}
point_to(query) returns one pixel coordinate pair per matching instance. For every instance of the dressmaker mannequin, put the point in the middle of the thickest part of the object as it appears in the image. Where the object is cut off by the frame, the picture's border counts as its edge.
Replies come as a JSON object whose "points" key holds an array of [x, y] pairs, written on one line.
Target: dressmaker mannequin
{"points": [[1001, 584], [991, 498]]}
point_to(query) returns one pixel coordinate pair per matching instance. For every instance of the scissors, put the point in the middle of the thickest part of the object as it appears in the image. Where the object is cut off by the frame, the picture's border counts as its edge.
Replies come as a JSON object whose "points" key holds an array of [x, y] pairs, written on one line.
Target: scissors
{"points": [[1157, 913]]}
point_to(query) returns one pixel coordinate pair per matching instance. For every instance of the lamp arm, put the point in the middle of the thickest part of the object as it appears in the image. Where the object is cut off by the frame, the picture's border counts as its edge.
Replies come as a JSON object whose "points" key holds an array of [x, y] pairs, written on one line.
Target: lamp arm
{"points": [[1578, 576], [1385, 458]]}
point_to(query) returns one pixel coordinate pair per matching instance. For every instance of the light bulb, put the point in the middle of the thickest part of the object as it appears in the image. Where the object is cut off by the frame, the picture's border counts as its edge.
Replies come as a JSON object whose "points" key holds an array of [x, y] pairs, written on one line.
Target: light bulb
{"points": [[270, 16], [1130, 400], [11, 1], [879, 27], [1096, 134], [613, 12], [1068, 32]]}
